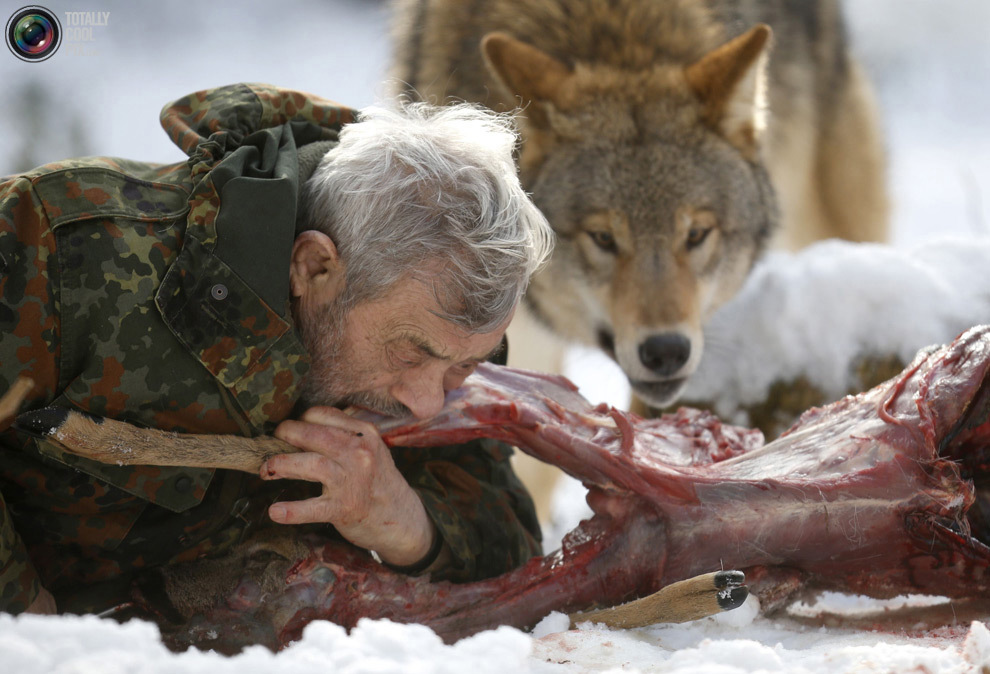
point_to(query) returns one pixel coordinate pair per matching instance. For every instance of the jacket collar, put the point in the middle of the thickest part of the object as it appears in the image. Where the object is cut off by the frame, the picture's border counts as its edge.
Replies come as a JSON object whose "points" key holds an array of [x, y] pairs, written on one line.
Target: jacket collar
{"points": [[226, 296]]}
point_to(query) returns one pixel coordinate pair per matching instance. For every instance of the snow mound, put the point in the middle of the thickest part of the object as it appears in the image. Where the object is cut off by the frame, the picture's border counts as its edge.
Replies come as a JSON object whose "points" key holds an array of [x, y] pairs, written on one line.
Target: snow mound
{"points": [[812, 314]]}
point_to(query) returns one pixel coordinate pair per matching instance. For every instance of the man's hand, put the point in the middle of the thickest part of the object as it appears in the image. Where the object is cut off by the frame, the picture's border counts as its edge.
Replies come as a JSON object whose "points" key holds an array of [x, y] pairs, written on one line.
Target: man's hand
{"points": [[43, 604], [364, 495]]}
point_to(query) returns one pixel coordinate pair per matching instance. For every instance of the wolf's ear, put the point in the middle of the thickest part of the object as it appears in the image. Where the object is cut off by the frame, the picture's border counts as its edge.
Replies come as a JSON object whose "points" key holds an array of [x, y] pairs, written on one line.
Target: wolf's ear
{"points": [[532, 75], [731, 83]]}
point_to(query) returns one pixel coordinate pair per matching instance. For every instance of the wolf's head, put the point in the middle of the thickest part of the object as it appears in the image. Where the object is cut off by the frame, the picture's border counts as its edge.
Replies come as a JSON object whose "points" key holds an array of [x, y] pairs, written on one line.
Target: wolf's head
{"points": [[653, 183]]}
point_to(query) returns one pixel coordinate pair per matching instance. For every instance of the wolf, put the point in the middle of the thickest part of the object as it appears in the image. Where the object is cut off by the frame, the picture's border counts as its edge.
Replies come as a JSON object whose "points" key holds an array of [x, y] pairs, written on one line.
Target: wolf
{"points": [[665, 141]]}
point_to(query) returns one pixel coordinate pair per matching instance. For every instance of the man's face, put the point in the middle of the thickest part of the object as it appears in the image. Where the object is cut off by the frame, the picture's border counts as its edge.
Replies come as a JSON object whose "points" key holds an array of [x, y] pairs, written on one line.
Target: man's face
{"points": [[391, 354]]}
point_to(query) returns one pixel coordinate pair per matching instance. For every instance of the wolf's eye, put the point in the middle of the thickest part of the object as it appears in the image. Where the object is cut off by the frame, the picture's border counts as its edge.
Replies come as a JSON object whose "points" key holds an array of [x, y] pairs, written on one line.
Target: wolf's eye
{"points": [[604, 240], [696, 236]]}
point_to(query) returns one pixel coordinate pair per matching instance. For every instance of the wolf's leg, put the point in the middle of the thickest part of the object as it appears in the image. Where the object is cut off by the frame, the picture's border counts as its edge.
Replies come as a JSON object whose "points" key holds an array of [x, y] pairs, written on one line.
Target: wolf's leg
{"points": [[533, 347], [852, 165]]}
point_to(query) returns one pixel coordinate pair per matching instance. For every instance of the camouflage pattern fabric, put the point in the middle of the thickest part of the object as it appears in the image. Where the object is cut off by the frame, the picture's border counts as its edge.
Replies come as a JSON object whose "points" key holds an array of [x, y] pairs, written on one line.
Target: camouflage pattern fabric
{"points": [[159, 295]]}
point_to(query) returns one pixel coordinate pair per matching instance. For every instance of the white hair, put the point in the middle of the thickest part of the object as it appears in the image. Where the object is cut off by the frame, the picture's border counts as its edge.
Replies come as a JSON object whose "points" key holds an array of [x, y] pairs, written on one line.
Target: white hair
{"points": [[432, 192]]}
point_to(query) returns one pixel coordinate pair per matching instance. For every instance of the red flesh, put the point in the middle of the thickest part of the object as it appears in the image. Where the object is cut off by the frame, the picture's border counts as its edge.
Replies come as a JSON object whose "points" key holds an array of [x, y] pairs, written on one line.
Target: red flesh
{"points": [[855, 497]]}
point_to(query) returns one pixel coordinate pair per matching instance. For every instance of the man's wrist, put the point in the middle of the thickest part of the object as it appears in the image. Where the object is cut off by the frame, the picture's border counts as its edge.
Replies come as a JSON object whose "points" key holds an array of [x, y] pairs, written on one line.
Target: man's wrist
{"points": [[423, 564]]}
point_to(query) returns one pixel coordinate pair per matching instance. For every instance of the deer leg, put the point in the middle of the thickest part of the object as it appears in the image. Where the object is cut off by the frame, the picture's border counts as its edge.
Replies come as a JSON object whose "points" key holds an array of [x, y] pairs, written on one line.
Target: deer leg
{"points": [[110, 441]]}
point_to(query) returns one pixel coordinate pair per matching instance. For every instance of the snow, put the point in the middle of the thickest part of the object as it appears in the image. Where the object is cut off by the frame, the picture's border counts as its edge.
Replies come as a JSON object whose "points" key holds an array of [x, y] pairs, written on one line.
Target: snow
{"points": [[78, 644], [833, 302], [734, 643], [930, 61]]}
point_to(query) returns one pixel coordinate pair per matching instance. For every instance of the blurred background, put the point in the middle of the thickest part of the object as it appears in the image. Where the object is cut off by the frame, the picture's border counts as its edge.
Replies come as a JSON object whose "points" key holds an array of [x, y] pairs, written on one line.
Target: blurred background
{"points": [[101, 93], [103, 96]]}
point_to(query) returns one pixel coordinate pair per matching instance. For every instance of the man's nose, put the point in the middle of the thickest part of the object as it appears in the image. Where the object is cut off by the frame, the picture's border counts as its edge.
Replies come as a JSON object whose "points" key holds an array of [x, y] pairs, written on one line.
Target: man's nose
{"points": [[423, 393]]}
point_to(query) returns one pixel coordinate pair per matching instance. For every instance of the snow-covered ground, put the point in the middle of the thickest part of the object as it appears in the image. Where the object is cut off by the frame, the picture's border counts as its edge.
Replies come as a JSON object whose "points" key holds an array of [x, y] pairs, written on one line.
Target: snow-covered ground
{"points": [[734, 643], [931, 62]]}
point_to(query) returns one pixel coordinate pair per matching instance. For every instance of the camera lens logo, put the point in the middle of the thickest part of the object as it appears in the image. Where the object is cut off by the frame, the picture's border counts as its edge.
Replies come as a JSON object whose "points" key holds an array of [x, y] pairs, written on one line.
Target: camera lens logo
{"points": [[33, 34]]}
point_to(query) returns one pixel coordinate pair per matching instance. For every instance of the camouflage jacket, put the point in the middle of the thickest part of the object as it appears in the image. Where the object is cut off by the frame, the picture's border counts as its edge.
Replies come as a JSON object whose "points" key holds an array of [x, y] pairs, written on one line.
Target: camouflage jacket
{"points": [[159, 295]]}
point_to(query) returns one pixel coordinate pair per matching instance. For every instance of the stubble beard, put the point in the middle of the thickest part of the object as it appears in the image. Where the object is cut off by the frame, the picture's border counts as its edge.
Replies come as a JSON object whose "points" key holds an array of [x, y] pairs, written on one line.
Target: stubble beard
{"points": [[333, 379]]}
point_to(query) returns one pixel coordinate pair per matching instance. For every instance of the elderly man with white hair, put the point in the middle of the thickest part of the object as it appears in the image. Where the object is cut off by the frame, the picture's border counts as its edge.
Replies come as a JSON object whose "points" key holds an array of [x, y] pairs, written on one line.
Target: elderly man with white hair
{"points": [[303, 259]]}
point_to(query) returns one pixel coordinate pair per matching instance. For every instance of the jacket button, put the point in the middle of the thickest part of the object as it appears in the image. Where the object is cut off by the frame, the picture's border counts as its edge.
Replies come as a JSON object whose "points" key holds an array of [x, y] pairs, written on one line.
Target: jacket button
{"points": [[183, 484], [219, 291]]}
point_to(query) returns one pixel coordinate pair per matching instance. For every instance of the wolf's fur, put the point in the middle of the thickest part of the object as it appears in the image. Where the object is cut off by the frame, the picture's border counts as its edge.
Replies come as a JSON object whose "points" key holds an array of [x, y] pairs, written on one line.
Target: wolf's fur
{"points": [[643, 128]]}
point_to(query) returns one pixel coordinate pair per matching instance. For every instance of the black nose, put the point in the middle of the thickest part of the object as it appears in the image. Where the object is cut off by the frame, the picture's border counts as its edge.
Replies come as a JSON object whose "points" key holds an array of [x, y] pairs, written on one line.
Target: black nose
{"points": [[665, 354]]}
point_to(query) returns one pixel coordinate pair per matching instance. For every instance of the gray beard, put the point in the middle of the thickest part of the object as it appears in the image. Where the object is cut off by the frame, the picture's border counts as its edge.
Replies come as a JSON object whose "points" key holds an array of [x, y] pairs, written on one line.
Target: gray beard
{"points": [[331, 380]]}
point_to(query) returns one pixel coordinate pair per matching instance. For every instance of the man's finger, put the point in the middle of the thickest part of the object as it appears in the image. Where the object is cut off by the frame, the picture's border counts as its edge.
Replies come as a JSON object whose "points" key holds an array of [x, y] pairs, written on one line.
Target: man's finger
{"points": [[331, 416], [323, 439], [303, 466], [302, 512]]}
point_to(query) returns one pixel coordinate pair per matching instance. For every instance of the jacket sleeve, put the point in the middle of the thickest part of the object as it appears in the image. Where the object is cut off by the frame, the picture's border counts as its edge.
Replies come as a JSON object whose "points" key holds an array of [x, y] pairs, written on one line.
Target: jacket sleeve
{"points": [[28, 347], [19, 584], [482, 511]]}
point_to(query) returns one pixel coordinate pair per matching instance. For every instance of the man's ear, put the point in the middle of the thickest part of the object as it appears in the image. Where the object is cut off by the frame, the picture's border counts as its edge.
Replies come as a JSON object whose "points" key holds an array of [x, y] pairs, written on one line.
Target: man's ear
{"points": [[316, 272]]}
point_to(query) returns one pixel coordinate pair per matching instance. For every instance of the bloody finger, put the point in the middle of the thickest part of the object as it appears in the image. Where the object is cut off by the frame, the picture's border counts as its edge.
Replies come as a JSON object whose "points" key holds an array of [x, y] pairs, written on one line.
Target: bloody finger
{"points": [[306, 466]]}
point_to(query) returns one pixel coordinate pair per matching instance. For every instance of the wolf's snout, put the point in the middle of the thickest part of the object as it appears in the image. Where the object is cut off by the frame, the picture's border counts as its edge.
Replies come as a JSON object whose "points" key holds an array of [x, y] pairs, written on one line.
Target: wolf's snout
{"points": [[665, 354]]}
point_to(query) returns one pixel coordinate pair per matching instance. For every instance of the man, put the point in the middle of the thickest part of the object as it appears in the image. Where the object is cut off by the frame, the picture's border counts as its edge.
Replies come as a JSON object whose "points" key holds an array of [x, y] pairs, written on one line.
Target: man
{"points": [[292, 266]]}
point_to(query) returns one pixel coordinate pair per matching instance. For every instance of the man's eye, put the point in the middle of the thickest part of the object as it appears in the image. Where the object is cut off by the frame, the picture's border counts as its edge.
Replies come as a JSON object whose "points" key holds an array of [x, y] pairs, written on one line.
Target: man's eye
{"points": [[412, 360], [461, 368], [405, 359]]}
